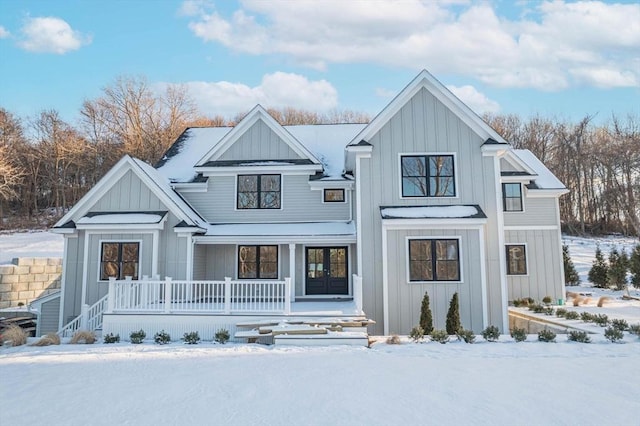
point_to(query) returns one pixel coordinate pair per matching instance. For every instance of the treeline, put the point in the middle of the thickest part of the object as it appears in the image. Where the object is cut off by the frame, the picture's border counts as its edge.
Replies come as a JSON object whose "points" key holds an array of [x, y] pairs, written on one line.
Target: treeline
{"points": [[47, 164], [600, 164]]}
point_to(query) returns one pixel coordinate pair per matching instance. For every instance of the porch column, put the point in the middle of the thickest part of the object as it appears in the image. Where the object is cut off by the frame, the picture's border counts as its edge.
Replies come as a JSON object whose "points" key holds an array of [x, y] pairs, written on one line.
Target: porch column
{"points": [[292, 270]]}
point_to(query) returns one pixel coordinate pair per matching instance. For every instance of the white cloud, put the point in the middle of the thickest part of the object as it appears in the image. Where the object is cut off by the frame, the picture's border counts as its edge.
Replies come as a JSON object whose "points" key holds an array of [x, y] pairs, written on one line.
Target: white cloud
{"points": [[385, 93], [51, 35], [541, 49], [475, 100], [276, 90], [4, 33]]}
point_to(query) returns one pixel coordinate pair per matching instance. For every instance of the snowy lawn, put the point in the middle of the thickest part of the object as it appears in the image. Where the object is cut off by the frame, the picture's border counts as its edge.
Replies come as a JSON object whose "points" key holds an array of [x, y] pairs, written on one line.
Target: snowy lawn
{"points": [[502, 383], [30, 244]]}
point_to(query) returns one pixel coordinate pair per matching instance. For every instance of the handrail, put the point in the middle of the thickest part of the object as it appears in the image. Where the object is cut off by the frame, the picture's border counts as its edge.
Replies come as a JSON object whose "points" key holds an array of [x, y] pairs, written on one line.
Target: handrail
{"points": [[90, 318]]}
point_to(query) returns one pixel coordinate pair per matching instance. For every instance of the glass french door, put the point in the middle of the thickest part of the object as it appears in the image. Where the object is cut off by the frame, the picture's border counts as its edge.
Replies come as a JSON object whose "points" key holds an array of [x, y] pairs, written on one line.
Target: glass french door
{"points": [[326, 271]]}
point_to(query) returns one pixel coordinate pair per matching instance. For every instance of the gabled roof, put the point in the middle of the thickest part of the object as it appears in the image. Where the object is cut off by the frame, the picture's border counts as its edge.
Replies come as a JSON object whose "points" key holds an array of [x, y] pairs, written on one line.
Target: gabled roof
{"points": [[429, 82], [545, 180], [257, 113], [157, 183]]}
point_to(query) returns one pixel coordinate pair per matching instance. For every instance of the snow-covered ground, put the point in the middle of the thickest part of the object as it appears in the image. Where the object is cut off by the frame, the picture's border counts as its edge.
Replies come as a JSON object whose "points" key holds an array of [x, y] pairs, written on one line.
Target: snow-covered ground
{"points": [[485, 383], [29, 244], [502, 383]]}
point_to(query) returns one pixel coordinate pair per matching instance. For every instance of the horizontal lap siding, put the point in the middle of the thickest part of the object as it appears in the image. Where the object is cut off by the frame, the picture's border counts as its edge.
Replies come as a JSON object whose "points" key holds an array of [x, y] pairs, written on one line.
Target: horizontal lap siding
{"points": [[544, 263], [299, 203], [405, 298], [48, 318], [537, 212]]}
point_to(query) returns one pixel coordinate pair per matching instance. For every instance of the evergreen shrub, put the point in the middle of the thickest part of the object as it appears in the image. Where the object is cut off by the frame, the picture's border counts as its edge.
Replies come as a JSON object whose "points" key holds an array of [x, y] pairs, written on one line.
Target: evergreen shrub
{"points": [[491, 333]]}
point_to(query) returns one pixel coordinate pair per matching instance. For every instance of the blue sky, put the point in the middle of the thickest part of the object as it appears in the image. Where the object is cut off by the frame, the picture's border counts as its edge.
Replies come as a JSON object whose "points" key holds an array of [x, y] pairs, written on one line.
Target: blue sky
{"points": [[559, 58]]}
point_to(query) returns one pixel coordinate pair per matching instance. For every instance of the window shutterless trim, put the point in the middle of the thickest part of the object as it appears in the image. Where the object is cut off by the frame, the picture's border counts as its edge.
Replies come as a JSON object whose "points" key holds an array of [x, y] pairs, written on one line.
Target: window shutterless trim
{"points": [[324, 195], [257, 262], [434, 260], [525, 259], [505, 197], [426, 156], [120, 243], [259, 192]]}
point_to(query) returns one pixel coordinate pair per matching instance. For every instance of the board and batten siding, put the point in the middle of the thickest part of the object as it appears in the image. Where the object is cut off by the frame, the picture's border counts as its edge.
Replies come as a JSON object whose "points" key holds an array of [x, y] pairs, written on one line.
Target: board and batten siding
{"points": [[544, 265], [299, 203], [405, 298], [425, 125], [48, 317], [537, 212], [128, 194], [259, 143]]}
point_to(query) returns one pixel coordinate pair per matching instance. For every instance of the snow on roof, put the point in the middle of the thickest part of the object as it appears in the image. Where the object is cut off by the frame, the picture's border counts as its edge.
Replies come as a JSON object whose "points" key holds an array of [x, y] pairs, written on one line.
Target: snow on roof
{"points": [[326, 141], [120, 218], [545, 179], [431, 212], [282, 229]]}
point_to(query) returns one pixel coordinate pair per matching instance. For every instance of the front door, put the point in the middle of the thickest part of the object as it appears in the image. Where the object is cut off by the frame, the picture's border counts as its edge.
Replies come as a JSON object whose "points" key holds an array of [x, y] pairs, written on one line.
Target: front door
{"points": [[326, 270]]}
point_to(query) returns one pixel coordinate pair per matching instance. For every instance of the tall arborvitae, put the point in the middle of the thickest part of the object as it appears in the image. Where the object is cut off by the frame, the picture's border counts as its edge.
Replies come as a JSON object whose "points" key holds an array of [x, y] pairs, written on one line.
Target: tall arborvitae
{"points": [[570, 274], [426, 319], [634, 266], [598, 271], [453, 316], [617, 272]]}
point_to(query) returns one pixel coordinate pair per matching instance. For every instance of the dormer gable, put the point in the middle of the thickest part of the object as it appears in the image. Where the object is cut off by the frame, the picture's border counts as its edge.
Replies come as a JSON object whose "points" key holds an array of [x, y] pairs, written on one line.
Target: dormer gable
{"points": [[260, 140]]}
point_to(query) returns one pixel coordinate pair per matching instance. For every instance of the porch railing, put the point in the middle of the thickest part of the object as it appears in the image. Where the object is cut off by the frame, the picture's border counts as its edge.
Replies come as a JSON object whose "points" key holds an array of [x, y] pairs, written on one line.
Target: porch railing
{"points": [[226, 297]]}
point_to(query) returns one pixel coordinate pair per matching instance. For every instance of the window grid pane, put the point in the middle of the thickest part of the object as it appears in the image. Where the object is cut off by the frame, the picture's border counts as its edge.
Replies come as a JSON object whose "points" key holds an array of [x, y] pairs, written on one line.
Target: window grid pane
{"points": [[260, 262], [512, 197], [258, 192], [428, 176], [434, 260], [119, 260], [516, 260]]}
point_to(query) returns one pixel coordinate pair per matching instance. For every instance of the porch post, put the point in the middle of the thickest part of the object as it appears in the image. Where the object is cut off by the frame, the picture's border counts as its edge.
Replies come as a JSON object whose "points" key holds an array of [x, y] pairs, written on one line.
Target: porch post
{"points": [[167, 294], [227, 295], [111, 299], [292, 271], [357, 292], [287, 296], [84, 312]]}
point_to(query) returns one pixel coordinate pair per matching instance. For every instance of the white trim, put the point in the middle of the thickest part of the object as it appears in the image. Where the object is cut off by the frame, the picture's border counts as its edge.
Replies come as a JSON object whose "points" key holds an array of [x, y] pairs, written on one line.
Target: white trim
{"points": [[439, 91], [359, 156], [257, 113], [123, 241], [320, 184], [276, 239], [385, 282], [189, 272], [516, 178], [530, 228], [155, 244], [292, 270], [546, 193], [501, 241], [237, 264], [561, 263], [463, 223], [122, 227], [293, 170], [522, 197], [304, 270], [63, 279], [190, 186], [526, 258], [85, 268], [433, 238], [483, 278], [456, 194]]}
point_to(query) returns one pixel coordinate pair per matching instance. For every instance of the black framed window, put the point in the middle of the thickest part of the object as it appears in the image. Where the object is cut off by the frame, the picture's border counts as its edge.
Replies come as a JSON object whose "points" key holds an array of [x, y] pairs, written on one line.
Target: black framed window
{"points": [[512, 197], [428, 176], [119, 260], [259, 262], [258, 192], [516, 259], [333, 195], [434, 260]]}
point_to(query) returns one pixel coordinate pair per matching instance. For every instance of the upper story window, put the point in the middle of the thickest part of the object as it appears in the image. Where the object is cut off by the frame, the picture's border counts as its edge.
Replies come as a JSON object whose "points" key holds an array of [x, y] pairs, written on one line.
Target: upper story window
{"points": [[434, 260], [119, 260], [333, 196], [512, 197], [259, 192], [428, 176]]}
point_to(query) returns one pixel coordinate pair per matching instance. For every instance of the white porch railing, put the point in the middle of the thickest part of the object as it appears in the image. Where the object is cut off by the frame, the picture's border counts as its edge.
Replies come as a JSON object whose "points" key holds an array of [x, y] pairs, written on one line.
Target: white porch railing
{"points": [[90, 318], [226, 297]]}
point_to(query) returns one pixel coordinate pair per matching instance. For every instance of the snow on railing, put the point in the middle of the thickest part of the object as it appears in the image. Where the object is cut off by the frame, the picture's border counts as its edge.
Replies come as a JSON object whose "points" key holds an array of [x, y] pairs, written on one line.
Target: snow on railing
{"points": [[226, 296]]}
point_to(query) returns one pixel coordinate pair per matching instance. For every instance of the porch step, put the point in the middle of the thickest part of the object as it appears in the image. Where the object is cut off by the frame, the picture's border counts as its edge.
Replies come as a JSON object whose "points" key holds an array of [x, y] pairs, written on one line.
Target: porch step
{"points": [[331, 338]]}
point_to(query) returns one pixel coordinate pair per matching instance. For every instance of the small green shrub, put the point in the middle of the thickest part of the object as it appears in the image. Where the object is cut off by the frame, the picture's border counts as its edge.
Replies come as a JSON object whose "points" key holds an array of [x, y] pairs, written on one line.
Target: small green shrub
{"points": [[530, 300], [111, 338], [546, 336], [491, 333], [586, 317], [548, 311], [137, 337], [572, 315], [561, 312], [417, 334], [191, 338], [440, 336], [620, 324], [467, 336], [162, 338], [601, 319], [520, 303], [578, 336], [222, 336], [547, 300], [519, 334], [635, 329], [538, 309], [453, 323], [613, 334]]}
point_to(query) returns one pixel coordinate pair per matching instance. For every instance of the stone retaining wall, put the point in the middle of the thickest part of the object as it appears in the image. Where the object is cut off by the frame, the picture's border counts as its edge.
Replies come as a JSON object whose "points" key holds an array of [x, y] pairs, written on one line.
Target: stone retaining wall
{"points": [[27, 279]]}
